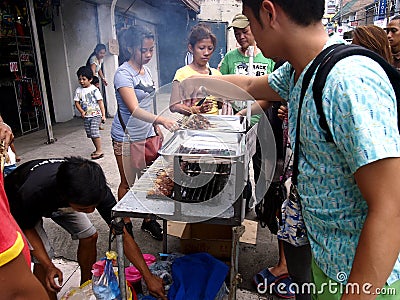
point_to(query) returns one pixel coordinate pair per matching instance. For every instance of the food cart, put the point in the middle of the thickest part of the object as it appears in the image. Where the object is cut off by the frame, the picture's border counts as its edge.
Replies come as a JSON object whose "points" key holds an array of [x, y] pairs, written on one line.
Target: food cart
{"points": [[198, 177]]}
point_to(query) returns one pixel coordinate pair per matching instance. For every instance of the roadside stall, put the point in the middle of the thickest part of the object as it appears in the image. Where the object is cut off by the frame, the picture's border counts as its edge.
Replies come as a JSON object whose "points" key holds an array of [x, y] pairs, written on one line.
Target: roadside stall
{"points": [[200, 174]]}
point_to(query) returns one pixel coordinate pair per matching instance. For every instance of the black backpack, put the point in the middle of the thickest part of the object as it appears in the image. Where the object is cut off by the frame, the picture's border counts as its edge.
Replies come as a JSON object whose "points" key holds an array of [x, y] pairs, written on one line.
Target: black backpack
{"points": [[335, 53], [268, 209]]}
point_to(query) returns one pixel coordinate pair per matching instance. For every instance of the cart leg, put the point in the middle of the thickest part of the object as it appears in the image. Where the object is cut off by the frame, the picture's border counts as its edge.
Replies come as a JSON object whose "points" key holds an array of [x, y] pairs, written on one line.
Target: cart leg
{"points": [[121, 261], [165, 243], [235, 279]]}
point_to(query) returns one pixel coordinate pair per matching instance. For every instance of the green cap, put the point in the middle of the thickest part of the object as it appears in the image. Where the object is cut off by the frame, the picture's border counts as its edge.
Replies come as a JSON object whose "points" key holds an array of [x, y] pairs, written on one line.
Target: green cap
{"points": [[239, 21]]}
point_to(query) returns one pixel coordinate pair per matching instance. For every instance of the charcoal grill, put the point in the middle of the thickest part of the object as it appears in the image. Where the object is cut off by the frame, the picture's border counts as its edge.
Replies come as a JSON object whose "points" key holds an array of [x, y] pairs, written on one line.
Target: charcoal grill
{"points": [[187, 192], [208, 183], [208, 170]]}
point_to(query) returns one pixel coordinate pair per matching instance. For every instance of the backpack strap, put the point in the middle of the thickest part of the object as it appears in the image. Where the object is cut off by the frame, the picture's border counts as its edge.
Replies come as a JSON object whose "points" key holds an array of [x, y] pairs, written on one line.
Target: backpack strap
{"points": [[121, 121], [305, 83], [327, 64]]}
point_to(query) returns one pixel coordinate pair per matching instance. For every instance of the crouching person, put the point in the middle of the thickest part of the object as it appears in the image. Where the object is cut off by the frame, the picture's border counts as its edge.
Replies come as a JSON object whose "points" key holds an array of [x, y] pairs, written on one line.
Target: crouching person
{"points": [[65, 190]]}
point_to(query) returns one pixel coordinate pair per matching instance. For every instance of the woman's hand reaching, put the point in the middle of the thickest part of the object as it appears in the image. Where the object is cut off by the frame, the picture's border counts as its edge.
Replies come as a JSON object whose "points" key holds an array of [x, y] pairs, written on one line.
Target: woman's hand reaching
{"points": [[169, 124], [205, 107]]}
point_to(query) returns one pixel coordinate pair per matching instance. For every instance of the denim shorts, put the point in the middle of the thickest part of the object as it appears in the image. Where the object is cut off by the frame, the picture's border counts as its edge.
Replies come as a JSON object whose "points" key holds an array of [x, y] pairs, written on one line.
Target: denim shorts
{"points": [[76, 223]]}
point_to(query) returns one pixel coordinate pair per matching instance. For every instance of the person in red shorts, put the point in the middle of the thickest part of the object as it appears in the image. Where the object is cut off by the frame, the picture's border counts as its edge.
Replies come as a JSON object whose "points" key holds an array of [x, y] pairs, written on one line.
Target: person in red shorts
{"points": [[14, 251]]}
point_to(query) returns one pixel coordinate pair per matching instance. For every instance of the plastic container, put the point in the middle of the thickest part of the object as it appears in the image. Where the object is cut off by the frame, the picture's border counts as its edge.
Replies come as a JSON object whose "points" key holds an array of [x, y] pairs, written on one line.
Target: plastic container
{"points": [[149, 259], [132, 274]]}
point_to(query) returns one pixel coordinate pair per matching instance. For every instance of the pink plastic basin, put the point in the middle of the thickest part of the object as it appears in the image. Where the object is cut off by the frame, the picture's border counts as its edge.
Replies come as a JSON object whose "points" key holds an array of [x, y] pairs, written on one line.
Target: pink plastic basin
{"points": [[132, 274], [149, 258]]}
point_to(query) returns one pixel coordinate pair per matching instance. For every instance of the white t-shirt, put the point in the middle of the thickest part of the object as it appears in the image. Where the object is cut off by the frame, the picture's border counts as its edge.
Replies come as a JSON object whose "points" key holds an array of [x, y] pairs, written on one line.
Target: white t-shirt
{"points": [[87, 98], [98, 63]]}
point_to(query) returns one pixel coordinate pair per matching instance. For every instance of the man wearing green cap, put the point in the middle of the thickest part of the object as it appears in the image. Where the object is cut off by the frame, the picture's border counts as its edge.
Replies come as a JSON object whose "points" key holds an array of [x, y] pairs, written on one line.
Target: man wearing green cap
{"points": [[237, 62]]}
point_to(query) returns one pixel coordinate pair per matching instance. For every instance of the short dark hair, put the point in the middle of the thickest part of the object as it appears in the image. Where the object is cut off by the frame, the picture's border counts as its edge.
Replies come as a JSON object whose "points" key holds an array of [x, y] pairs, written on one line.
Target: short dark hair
{"points": [[85, 71], [95, 80], [200, 32], [81, 181], [302, 12], [99, 47]]}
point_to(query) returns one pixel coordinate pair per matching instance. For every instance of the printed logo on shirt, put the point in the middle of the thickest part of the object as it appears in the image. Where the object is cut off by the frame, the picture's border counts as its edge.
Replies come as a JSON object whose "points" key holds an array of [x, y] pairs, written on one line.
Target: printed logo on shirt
{"points": [[260, 69], [47, 161], [146, 89]]}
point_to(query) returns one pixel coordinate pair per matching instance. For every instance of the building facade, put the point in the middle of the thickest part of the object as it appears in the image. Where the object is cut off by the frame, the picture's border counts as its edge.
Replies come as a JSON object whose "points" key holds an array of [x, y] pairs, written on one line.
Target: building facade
{"points": [[38, 81], [39, 63]]}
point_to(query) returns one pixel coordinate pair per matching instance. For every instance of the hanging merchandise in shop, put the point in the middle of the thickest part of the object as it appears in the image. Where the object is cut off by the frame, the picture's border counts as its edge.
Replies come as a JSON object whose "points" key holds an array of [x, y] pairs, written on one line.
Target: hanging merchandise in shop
{"points": [[45, 12], [21, 105]]}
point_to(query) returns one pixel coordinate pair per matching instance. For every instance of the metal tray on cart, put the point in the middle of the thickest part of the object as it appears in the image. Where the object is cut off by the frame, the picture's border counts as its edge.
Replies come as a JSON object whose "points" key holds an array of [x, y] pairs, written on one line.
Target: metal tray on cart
{"points": [[224, 123], [196, 143]]}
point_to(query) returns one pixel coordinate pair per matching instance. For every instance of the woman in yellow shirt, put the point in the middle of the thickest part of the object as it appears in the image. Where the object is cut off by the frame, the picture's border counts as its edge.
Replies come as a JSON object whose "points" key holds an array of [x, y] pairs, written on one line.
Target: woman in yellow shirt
{"points": [[202, 43]]}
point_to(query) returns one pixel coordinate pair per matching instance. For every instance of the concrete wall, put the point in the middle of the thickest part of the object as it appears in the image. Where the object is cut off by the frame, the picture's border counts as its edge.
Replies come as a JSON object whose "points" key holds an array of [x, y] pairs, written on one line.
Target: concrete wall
{"points": [[67, 48], [57, 61], [221, 10], [150, 17], [79, 27], [110, 63]]}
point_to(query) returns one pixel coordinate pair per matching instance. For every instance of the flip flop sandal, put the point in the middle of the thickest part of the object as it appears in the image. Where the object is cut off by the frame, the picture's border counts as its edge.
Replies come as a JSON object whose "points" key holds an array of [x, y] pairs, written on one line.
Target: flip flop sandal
{"points": [[266, 277], [97, 156], [282, 286], [93, 153]]}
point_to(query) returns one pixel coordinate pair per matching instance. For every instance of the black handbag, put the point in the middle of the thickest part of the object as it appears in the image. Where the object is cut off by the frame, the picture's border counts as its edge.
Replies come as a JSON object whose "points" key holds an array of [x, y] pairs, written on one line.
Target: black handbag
{"points": [[268, 210]]}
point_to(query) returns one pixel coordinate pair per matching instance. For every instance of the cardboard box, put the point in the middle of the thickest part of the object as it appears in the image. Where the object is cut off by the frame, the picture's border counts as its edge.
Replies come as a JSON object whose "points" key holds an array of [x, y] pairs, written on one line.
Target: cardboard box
{"points": [[249, 236], [213, 239]]}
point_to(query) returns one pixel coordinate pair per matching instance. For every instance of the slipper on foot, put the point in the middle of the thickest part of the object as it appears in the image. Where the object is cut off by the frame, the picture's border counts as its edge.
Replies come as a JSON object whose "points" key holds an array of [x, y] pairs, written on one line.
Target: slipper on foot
{"points": [[282, 287], [97, 156], [266, 277]]}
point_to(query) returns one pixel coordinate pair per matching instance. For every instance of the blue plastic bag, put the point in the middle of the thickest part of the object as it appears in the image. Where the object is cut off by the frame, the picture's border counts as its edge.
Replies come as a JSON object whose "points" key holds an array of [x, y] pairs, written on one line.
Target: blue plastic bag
{"points": [[105, 286]]}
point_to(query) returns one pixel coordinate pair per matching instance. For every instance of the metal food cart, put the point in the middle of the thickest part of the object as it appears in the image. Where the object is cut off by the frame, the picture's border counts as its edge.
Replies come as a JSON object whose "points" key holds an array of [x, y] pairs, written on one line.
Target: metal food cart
{"points": [[208, 168]]}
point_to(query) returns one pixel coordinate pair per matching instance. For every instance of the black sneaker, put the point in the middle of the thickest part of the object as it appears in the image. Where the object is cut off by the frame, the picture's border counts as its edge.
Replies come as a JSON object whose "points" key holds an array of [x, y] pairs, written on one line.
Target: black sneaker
{"points": [[153, 228]]}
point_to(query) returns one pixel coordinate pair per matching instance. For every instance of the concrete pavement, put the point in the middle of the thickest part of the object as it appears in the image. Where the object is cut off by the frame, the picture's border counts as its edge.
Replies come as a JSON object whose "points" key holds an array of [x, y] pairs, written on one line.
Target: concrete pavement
{"points": [[72, 141]]}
